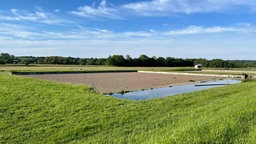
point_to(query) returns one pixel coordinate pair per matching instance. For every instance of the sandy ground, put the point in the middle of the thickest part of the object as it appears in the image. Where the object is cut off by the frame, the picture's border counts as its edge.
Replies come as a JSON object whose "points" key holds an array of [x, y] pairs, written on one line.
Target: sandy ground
{"points": [[117, 82]]}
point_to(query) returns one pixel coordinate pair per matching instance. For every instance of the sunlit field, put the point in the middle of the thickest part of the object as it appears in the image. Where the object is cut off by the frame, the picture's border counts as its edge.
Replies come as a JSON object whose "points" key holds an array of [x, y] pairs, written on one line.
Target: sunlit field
{"points": [[39, 111]]}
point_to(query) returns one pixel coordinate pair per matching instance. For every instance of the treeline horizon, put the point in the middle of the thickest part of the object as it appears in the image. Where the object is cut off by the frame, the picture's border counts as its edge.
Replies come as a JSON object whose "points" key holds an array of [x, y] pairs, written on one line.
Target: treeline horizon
{"points": [[119, 60]]}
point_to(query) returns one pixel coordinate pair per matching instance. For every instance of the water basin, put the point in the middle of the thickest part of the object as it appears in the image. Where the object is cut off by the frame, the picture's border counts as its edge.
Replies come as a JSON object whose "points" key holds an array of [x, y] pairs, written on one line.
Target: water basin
{"points": [[174, 90]]}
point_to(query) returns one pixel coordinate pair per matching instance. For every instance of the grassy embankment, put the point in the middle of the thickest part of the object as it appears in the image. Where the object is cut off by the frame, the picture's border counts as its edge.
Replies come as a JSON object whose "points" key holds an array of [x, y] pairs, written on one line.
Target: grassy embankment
{"points": [[38, 111]]}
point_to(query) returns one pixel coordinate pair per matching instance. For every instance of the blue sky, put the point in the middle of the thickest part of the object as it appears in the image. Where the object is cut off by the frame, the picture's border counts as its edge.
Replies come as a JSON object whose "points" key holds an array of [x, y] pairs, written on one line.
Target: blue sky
{"points": [[99, 28]]}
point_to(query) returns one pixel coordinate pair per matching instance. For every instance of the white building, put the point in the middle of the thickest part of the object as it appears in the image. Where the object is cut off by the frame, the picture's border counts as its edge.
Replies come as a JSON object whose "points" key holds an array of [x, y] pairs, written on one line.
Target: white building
{"points": [[198, 66]]}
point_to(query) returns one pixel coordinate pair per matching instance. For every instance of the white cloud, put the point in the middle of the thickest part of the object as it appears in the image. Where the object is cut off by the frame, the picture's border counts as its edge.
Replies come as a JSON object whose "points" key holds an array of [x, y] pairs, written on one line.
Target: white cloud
{"points": [[202, 30], [38, 16], [104, 9], [139, 34], [27, 16], [149, 7], [12, 31], [162, 8], [165, 7], [19, 31]]}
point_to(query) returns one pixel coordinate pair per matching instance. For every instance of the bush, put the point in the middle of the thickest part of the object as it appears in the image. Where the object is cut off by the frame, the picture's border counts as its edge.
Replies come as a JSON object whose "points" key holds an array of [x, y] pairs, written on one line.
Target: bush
{"points": [[2, 61]]}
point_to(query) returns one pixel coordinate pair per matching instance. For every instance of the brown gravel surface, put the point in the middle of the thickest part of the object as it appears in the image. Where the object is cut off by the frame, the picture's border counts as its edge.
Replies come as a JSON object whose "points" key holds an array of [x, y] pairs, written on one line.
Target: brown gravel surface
{"points": [[116, 82]]}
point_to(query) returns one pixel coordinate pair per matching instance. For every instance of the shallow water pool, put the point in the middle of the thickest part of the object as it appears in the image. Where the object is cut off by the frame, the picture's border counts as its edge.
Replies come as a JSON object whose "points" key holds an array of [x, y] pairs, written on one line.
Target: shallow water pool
{"points": [[174, 90]]}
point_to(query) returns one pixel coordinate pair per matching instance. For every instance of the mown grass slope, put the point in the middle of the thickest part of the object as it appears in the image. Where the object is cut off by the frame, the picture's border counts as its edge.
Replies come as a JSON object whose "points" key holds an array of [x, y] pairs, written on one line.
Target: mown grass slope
{"points": [[37, 111]]}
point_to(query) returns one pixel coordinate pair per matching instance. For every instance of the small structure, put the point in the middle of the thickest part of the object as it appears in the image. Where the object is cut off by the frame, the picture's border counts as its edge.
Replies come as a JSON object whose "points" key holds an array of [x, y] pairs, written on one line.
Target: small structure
{"points": [[198, 66]]}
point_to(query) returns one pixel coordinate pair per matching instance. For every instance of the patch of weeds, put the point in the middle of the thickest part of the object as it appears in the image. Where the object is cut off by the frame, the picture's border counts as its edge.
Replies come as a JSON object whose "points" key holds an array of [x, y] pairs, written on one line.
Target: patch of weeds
{"points": [[248, 80], [123, 92], [91, 89]]}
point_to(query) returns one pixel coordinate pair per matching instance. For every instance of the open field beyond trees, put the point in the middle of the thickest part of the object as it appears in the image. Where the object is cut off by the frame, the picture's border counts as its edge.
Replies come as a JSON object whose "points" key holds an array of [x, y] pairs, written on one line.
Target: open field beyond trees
{"points": [[40, 111]]}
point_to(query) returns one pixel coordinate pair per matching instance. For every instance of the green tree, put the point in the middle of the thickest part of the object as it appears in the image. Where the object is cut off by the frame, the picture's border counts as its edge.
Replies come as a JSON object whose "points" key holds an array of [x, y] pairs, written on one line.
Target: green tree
{"points": [[160, 61], [1, 60], [90, 61], [82, 61], [170, 61], [217, 63], [7, 58], [116, 60], [203, 62], [144, 60], [26, 61]]}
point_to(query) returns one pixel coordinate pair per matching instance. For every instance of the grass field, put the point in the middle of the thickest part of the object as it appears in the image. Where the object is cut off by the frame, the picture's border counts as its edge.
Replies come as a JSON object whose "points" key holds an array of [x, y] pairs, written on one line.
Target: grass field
{"points": [[77, 68], [37, 111], [32, 68]]}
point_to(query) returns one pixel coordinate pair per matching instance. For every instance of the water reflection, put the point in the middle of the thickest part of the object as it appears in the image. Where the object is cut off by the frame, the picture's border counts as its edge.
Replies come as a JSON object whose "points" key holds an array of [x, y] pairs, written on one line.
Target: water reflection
{"points": [[169, 91]]}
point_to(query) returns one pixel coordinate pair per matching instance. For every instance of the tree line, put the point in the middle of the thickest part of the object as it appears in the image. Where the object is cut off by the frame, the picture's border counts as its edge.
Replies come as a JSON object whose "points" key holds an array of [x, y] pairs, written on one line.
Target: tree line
{"points": [[6, 58], [119, 60]]}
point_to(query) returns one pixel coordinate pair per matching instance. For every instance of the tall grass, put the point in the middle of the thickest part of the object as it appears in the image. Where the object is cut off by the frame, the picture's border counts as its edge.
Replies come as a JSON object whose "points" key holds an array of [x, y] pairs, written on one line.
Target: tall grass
{"points": [[38, 111]]}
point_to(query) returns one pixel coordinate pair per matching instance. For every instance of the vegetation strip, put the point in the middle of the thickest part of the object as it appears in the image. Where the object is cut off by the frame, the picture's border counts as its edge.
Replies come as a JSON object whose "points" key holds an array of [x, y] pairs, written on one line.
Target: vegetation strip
{"points": [[196, 74], [69, 72], [210, 84]]}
